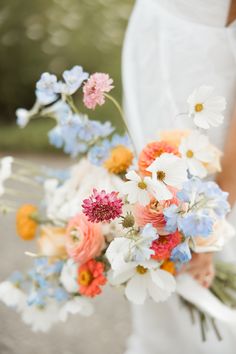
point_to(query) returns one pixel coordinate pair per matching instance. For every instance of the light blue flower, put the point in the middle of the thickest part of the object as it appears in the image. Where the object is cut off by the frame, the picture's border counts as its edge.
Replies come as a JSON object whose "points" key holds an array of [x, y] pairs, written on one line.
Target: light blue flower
{"points": [[171, 217], [22, 117], [216, 199], [181, 253], [60, 294], [55, 137], [120, 140], [45, 88], [196, 224], [99, 153], [73, 80]]}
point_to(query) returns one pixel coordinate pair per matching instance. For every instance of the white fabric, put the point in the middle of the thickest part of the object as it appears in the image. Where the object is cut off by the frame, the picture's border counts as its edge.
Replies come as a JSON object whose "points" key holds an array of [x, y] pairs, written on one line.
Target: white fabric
{"points": [[172, 47]]}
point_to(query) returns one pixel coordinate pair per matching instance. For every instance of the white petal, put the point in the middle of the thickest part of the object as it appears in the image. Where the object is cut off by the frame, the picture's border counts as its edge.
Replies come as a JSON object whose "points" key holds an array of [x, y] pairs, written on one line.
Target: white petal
{"points": [[157, 294], [136, 289], [201, 121], [143, 198], [196, 168], [167, 279], [160, 191], [120, 276], [133, 176]]}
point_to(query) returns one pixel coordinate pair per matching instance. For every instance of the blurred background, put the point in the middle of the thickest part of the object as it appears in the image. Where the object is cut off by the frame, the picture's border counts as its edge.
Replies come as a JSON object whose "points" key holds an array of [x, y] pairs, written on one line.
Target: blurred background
{"points": [[54, 35]]}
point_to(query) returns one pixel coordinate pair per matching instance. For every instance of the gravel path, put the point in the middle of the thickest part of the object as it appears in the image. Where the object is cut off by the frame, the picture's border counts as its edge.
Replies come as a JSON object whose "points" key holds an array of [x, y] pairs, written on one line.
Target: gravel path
{"points": [[103, 333]]}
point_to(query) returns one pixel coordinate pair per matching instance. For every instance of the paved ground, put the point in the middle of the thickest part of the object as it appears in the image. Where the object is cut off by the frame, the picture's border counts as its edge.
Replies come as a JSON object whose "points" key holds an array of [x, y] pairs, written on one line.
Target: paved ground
{"points": [[103, 333]]}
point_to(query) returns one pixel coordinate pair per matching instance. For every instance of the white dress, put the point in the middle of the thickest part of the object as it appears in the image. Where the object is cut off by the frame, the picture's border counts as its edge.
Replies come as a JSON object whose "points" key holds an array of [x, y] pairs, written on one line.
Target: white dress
{"points": [[171, 48]]}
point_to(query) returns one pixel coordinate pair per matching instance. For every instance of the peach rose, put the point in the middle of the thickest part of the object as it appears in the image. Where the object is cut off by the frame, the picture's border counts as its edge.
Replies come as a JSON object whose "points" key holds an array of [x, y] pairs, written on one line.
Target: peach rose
{"points": [[174, 137], [223, 231], [52, 241], [84, 240]]}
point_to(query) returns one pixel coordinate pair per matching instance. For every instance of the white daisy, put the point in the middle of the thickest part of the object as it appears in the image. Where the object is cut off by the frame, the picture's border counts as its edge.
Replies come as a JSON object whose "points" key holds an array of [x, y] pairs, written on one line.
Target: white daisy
{"points": [[167, 170], [69, 276], [138, 189], [78, 305], [196, 150], [205, 108], [122, 249], [144, 279]]}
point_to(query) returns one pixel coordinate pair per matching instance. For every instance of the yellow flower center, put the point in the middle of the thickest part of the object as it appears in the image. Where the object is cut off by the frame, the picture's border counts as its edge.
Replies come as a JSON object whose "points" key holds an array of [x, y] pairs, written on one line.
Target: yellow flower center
{"points": [[142, 185], [141, 270], [199, 107], [119, 160], [189, 154], [85, 278], [161, 175]]}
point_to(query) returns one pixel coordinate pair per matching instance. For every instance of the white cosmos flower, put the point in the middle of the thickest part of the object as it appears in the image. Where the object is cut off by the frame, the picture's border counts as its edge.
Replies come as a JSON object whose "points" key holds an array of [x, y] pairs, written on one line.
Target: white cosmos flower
{"points": [[12, 296], [78, 305], [138, 189], [196, 150], [123, 249], [144, 279], [205, 108], [167, 170], [69, 276]]}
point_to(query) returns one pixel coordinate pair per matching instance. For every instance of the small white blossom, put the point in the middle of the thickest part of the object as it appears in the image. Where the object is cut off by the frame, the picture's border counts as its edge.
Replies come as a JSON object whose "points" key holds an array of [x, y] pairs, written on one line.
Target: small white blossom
{"points": [[12, 296], [138, 189], [78, 305], [69, 276], [205, 108], [197, 151]]}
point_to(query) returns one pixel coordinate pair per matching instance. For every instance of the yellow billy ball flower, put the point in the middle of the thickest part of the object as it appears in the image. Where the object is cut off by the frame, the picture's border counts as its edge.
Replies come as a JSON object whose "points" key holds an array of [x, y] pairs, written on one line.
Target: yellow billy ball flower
{"points": [[26, 226], [119, 160]]}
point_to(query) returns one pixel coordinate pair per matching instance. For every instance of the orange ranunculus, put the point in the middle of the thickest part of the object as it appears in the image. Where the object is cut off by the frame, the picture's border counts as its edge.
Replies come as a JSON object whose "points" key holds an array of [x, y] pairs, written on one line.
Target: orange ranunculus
{"points": [[52, 241], [91, 277], [119, 160], [26, 226]]}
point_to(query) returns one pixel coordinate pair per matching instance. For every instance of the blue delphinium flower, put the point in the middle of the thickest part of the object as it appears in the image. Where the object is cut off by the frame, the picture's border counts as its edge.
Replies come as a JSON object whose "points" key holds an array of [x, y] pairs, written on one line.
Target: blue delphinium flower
{"points": [[196, 224], [60, 294], [181, 253], [120, 140], [171, 217], [73, 79], [45, 88], [216, 198], [55, 137], [99, 153]]}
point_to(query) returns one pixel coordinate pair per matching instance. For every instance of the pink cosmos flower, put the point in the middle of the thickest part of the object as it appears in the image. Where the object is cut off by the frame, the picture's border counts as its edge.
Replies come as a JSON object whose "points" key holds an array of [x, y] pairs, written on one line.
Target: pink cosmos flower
{"points": [[84, 240], [102, 206], [94, 89]]}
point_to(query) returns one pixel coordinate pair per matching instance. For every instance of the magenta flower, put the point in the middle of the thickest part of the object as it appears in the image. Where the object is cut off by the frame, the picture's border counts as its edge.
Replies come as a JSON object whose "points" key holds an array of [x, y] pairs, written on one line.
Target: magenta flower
{"points": [[102, 206], [95, 88]]}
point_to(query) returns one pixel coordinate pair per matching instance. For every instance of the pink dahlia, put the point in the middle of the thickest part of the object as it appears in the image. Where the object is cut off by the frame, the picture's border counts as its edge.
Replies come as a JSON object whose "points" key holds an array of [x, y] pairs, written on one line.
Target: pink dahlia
{"points": [[164, 245], [94, 89], [102, 206]]}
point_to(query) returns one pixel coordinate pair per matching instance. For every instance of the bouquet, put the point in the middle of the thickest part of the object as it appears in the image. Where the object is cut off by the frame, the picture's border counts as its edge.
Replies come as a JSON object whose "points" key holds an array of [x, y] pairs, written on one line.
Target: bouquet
{"points": [[117, 217]]}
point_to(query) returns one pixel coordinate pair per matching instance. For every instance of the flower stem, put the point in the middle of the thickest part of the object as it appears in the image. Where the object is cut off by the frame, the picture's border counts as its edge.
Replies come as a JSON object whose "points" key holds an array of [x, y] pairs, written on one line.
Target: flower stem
{"points": [[72, 105], [120, 110]]}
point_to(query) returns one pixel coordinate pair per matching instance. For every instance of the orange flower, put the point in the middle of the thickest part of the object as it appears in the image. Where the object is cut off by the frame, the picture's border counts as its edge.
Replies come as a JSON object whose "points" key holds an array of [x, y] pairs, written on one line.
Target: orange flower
{"points": [[119, 160], [26, 226], [151, 152], [52, 241], [91, 277], [169, 266]]}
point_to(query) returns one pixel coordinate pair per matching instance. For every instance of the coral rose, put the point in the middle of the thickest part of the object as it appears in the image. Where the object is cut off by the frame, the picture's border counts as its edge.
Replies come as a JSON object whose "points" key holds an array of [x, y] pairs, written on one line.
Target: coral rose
{"points": [[153, 213], [84, 240]]}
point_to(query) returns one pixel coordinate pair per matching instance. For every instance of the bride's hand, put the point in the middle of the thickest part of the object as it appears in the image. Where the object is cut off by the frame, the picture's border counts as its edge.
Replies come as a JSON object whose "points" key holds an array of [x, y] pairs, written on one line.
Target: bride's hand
{"points": [[201, 268]]}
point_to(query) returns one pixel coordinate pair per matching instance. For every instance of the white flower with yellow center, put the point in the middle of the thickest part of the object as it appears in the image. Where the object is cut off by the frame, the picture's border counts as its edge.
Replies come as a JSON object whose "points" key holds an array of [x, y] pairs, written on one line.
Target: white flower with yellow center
{"points": [[197, 152], [138, 189], [143, 280], [205, 108], [167, 170]]}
